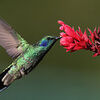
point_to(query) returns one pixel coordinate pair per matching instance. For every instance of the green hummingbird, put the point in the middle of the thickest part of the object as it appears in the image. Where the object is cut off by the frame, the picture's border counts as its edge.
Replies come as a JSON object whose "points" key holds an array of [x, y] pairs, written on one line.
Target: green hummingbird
{"points": [[25, 56]]}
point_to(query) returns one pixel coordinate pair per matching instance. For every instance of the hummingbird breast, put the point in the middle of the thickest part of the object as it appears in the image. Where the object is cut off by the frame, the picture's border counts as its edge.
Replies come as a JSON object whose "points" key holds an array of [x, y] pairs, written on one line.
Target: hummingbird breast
{"points": [[23, 64], [18, 67]]}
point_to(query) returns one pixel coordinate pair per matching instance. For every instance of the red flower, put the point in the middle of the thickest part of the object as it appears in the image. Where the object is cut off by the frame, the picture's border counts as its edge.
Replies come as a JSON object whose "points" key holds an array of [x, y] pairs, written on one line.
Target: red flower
{"points": [[75, 40]]}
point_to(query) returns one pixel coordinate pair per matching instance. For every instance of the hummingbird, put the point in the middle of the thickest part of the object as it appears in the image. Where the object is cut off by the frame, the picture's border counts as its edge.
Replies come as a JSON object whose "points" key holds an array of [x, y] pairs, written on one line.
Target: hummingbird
{"points": [[25, 56]]}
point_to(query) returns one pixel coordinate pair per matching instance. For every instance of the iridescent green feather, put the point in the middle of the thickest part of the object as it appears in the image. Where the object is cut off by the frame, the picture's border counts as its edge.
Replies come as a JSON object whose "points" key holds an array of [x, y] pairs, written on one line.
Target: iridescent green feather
{"points": [[23, 42]]}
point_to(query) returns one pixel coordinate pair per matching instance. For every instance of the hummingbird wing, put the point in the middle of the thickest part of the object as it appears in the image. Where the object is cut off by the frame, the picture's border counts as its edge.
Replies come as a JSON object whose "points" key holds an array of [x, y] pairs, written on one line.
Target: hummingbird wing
{"points": [[10, 40]]}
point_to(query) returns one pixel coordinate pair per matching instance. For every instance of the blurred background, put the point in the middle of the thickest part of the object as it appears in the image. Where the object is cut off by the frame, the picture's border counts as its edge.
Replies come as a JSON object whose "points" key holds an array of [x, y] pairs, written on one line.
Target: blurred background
{"points": [[61, 75]]}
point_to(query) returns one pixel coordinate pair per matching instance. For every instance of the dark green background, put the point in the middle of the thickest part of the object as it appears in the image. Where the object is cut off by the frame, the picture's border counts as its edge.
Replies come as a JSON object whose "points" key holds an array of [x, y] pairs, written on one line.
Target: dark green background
{"points": [[61, 75]]}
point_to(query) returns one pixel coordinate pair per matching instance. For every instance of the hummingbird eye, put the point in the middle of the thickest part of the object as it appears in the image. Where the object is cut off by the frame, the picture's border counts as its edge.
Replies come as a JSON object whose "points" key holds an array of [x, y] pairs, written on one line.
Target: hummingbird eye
{"points": [[49, 38]]}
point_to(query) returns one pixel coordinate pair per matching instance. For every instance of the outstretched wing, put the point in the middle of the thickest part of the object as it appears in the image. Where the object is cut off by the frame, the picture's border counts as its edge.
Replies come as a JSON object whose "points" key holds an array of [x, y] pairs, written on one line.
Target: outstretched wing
{"points": [[11, 41]]}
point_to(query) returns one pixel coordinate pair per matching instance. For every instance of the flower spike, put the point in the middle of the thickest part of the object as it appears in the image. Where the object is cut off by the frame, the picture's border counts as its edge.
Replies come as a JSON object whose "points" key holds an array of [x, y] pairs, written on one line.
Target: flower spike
{"points": [[76, 40]]}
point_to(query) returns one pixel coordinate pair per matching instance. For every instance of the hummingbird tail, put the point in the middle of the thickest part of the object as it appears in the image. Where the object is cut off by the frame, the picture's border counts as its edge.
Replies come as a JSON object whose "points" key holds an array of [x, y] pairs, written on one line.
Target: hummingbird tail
{"points": [[2, 86]]}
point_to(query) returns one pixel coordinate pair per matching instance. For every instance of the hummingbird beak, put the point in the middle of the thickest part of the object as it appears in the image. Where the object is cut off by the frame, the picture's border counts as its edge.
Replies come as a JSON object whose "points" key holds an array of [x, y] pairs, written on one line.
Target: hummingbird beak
{"points": [[57, 38]]}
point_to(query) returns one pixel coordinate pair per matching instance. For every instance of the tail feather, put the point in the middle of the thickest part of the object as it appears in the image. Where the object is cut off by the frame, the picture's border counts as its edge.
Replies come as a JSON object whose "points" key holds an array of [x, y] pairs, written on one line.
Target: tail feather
{"points": [[2, 86]]}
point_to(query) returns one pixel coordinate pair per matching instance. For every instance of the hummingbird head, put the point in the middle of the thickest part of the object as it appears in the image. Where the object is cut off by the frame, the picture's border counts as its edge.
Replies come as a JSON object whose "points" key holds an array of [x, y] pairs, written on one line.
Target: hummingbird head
{"points": [[48, 41], [43, 46]]}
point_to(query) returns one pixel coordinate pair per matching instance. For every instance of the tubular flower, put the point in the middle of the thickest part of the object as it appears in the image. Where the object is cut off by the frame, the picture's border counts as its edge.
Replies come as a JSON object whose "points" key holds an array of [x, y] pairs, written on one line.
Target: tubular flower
{"points": [[75, 40]]}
